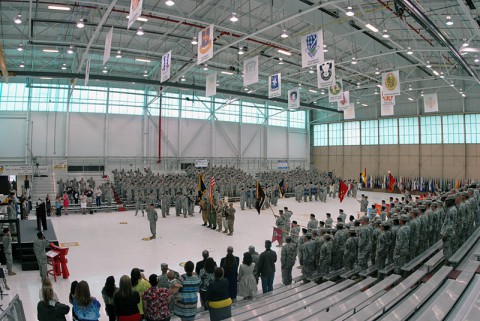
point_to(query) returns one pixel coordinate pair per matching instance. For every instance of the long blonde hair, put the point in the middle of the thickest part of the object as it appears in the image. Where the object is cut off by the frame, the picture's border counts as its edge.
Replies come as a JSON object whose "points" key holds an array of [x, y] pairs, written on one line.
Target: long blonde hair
{"points": [[125, 287], [82, 294]]}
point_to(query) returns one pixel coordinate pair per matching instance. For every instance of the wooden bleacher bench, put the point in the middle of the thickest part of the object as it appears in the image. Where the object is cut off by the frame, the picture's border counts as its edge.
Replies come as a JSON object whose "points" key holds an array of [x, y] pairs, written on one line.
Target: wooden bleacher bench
{"points": [[370, 270], [411, 304], [433, 262], [349, 274], [417, 261], [334, 274], [463, 250], [388, 269], [315, 277]]}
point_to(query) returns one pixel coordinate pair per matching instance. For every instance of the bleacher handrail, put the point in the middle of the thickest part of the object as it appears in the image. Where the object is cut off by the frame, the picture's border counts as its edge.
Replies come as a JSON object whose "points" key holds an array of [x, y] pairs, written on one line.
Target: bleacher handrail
{"points": [[14, 311]]}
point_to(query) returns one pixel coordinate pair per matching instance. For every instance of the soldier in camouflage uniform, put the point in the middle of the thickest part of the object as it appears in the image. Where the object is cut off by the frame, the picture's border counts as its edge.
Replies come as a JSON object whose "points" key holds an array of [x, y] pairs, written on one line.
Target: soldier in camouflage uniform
{"points": [[400, 253], [287, 259], [326, 255], [39, 249], [295, 232], [308, 257], [7, 249], [163, 281], [364, 243], [364, 204], [312, 224], [351, 248], [383, 245], [414, 234], [338, 249], [448, 231]]}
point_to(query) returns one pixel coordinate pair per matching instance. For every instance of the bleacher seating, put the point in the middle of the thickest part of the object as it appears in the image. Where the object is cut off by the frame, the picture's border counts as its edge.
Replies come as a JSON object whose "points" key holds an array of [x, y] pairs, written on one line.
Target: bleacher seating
{"points": [[463, 250], [417, 261]]}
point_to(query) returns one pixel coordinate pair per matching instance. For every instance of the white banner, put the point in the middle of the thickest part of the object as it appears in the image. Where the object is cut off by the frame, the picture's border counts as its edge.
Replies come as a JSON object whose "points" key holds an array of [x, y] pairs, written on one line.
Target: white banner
{"points": [[430, 103], [108, 46], [275, 85], [391, 83], [344, 102], [349, 113], [60, 165], [326, 74], [387, 100], [6, 170], [87, 72], [166, 63], [294, 98], [312, 49], [135, 11], [282, 164], [386, 110], [205, 45], [335, 91], [211, 85], [250, 71], [201, 163]]}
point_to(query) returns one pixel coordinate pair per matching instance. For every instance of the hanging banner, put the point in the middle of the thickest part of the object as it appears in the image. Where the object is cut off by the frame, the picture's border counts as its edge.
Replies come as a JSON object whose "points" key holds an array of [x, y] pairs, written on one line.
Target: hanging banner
{"points": [[60, 165], [282, 164], [386, 110], [387, 100], [326, 74], [294, 98], [205, 45], [166, 63], [211, 85], [312, 49], [349, 113], [344, 102], [335, 91], [430, 103], [391, 83], [135, 11], [108, 46], [87, 72], [250, 71], [275, 85], [7, 170]]}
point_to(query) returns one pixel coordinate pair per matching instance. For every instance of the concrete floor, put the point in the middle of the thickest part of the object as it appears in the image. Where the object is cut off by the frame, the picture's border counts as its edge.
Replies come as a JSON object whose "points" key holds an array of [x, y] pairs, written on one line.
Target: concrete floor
{"points": [[107, 247]]}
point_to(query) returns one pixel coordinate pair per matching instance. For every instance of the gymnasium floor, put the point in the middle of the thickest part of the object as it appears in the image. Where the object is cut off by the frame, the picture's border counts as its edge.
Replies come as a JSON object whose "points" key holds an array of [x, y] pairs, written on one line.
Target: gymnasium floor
{"points": [[106, 247]]}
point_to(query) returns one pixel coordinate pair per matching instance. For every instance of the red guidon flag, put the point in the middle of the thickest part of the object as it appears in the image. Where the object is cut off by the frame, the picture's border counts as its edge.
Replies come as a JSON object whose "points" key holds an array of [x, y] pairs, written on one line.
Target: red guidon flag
{"points": [[343, 191], [277, 235], [391, 182]]}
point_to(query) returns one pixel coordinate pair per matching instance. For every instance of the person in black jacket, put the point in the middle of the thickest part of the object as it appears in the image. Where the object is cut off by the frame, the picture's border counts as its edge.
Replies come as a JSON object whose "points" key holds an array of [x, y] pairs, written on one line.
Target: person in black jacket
{"points": [[230, 264], [218, 297], [50, 310], [266, 267], [201, 264], [125, 301]]}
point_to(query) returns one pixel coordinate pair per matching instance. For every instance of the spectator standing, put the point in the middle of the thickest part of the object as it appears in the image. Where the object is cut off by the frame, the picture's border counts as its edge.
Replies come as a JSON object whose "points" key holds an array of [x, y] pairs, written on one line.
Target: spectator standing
{"points": [[186, 306], [125, 301], [108, 292], [218, 297], [86, 307], [73, 288], [48, 205], [65, 203], [155, 301], [266, 267], [230, 265], [50, 310], [206, 277], [140, 285], [247, 284]]}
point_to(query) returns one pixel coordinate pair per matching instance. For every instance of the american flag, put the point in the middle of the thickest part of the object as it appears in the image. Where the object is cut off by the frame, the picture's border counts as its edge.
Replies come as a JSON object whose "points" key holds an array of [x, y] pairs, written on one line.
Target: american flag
{"points": [[212, 184]]}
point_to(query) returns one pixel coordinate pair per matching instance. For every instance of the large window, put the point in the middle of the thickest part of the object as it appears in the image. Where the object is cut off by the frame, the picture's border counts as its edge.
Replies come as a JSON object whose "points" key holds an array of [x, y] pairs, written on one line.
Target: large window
{"points": [[320, 135], [335, 134], [369, 132], [13, 96], [351, 133], [297, 119], [91, 99], [253, 113], [431, 130], [227, 110], [408, 130], [453, 129], [49, 98], [195, 107], [277, 116], [126, 101], [472, 129], [388, 131]]}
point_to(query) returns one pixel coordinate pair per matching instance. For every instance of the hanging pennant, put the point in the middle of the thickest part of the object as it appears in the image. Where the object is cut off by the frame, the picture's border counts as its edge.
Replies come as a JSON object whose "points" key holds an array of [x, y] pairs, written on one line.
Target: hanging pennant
{"points": [[205, 45], [391, 83], [275, 85], [335, 91], [135, 11], [326, 74], [211, 85], [430, 103], [386, 110], [108, 46], [294, 98], [87, 72], [344, 102], [349, 113], [166, 63], [312, 49], [250, 71]]}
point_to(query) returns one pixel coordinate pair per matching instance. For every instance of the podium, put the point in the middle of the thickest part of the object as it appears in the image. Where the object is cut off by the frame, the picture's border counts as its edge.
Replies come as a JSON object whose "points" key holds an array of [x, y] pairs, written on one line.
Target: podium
{"points": [[57, 258]]}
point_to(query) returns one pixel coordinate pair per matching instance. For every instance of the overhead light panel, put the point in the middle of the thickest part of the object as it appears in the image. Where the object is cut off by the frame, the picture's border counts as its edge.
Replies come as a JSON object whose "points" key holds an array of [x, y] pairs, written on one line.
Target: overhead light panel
{"points": [[311, 71], [240, 51], [377, 72], [142, 19], [70, 50], [80, 24], [18, 19], [45, 78], [349, 12], [436, 73], [449, 21], [170, 3], [476, 60], [194, 41], [233, 17], [364, 105], [246, 89], [284, 34], [463, 95], [142, 60], [50, 50], [284, 52], [385, 34], [61, 8], [226, 72], [371, 27], [119, 54], [140, 31], [312, 91]]}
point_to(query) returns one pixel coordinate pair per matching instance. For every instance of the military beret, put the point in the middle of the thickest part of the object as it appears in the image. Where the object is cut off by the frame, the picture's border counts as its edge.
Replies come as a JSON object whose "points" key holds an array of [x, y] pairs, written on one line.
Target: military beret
{"points": [[347, 225], [339, 219], [251, 247], [321, 222]]}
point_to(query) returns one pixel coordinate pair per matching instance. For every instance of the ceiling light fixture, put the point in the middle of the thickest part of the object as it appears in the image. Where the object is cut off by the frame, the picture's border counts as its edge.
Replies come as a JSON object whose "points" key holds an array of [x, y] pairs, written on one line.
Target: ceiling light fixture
{"points": [[284, 34], [409, 51], [349, 12], [61, 8], [284, 52], [465, 43], [140, 31], [205, 67], [70, 50], [240, 51], [50, 50], [80, 24], [354, 61], [142, 19], [436, 73], [183, 78], [410, 98], [463, 95], [20, 47], [377, 72], [18, 19], [245, 89], [428, 65], [169, 3], [145, 74], [233, 17], [311, 71], [194, 41], [119, 54], [449, 21], [385, 34], [105, 70], [364, 105], [322, 92], [45, 78], [22, 65], [421, 94], [64, 67], [142, 60], [371, 27], [312, 91], [452, 85], [226, 72], [409, 87], [280, 61], [476, 60]]}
